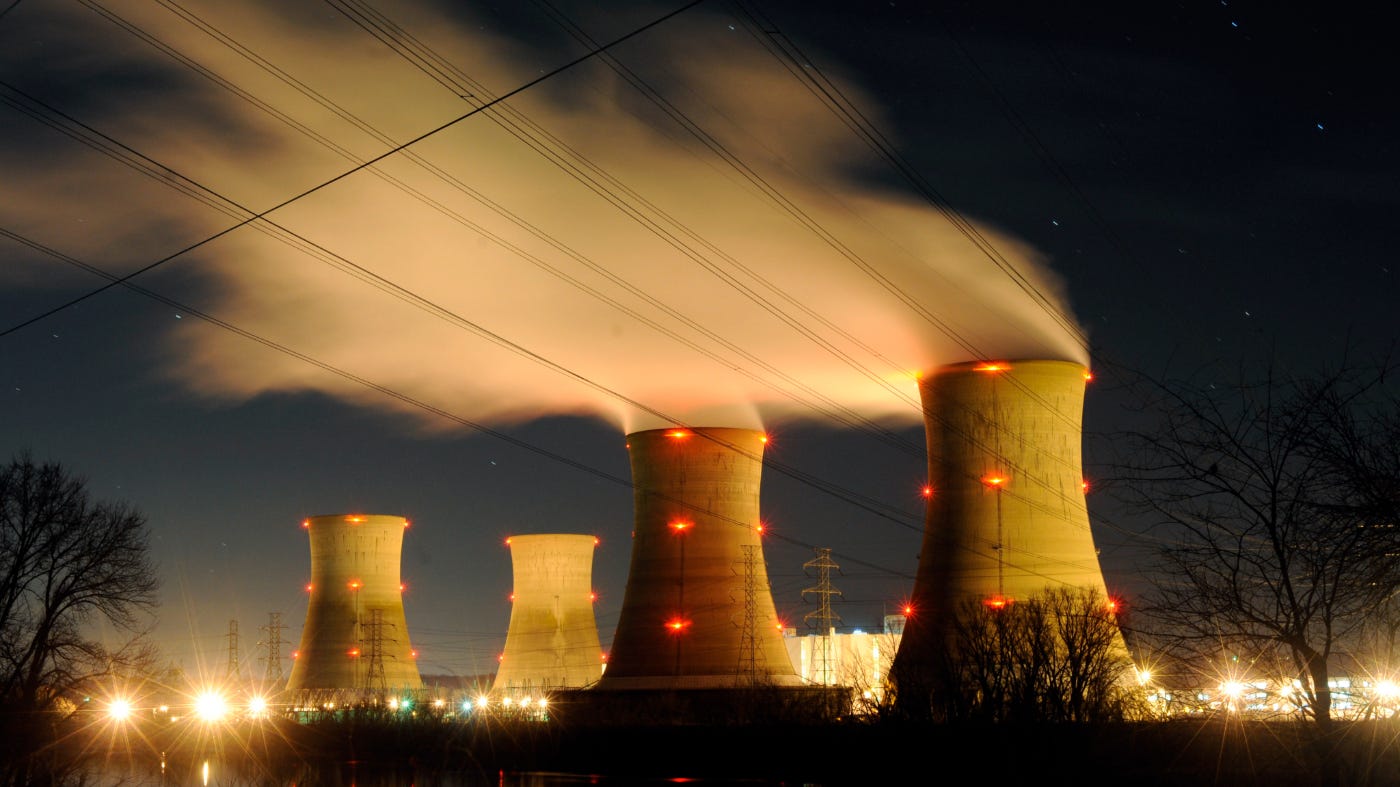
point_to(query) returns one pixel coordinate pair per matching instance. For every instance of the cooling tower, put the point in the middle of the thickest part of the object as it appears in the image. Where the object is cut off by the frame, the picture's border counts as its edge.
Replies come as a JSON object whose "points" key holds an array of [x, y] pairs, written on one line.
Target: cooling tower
{"points": [[356, 636], [552, 641], [1006, 516], [697, 612]]}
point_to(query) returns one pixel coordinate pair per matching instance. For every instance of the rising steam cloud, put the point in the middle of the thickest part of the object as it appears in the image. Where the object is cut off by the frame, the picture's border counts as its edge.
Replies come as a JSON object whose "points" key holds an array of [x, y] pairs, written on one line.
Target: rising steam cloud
{"points": [[475, 274]]}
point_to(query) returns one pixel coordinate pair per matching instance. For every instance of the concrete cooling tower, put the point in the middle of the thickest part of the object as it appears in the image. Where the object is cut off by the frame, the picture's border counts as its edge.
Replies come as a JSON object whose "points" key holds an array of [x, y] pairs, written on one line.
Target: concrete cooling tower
{"points": [[356, 636], [697, 612], [1006, 517], [552, 641]]}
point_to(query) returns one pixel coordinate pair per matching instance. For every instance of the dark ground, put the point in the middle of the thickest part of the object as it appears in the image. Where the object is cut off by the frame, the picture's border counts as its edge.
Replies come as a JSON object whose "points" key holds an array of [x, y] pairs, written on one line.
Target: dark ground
{"points": [[385, 750]]}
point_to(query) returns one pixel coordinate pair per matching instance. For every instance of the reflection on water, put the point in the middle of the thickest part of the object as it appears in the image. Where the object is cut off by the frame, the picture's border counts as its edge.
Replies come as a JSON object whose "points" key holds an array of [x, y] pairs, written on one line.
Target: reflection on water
{"points": [[351, 774]]}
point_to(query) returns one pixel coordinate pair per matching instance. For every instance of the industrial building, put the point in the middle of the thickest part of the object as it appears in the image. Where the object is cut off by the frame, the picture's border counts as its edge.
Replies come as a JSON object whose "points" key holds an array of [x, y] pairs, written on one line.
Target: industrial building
{"points": [[355, 644], [552, 640], [859, 660]]}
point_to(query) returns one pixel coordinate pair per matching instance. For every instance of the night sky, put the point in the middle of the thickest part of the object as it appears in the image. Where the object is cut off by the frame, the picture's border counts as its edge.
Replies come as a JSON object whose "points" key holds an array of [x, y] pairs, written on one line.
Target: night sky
{"points": [[767, 217]]}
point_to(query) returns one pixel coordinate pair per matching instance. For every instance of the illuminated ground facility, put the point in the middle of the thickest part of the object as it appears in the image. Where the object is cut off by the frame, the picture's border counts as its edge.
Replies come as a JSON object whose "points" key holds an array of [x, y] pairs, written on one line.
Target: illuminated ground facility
{"points": [[1006, 516], [356, 637], [552, 640], [697, 612]]}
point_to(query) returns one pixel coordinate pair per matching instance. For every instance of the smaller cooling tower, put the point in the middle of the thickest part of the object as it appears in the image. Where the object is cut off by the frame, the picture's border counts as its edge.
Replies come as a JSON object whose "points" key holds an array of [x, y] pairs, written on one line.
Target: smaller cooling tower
{"points": [[552, 642], [697, 612], [356, 636]]}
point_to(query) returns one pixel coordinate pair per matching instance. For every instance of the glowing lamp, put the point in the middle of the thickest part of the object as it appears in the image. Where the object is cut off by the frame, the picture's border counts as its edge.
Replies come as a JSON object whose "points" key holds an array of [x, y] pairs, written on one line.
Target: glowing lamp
{"points": [[306, 523], [993, 367], [927, 491], [413, 654], [994, 481], [308, 587], [354, 584], [593, 596], [680, 527], [908, 610], [677, 625], [1084, 486], [210, 706], [403, 586], [763, 438], [997, 602], [119, 710], [678, 434], [1113, 606], [354, 519], [353, 653], [257, 706]]}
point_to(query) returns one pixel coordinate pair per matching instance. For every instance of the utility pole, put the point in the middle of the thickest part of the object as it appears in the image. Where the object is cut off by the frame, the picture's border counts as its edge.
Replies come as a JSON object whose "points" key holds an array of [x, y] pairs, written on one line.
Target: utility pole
{"points": [[272, 673], [823, 618]]}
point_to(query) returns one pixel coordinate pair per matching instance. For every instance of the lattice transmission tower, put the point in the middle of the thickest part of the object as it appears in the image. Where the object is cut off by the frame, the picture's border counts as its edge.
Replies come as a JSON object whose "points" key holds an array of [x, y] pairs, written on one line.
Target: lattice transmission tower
{"points": [[272, 671], [823, 618], [232, 636]]}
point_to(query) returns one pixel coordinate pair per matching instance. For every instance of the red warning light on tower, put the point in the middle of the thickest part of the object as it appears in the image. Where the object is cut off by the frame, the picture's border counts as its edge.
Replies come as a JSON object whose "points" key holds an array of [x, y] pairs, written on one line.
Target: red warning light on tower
{"points": [[678, 433], [994, 366], [680, 526], [677, 625], [994, 480], [927, 491]]}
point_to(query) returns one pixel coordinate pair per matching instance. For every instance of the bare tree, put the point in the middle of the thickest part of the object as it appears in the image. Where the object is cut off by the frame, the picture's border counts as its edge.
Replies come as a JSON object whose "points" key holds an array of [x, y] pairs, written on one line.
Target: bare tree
{"points": [[67, 565], [1276, 521], [1054, 657]]}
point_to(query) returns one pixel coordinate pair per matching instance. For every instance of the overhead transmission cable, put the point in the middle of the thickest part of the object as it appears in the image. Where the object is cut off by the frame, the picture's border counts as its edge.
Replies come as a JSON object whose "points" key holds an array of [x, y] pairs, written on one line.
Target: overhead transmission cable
{"points": [[824, 405], [347, 173]]}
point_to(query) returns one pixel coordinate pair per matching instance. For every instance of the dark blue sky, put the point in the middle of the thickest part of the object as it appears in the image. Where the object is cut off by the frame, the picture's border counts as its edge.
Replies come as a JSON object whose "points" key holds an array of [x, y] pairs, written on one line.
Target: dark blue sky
{"points": [[1206, 183]]}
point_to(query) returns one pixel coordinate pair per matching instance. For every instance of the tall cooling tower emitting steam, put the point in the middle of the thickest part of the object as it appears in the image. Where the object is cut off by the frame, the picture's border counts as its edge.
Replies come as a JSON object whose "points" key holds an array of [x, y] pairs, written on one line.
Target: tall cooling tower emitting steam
{"points": [[1006, 517], [552, 640], [356, 635], [697, 612]]}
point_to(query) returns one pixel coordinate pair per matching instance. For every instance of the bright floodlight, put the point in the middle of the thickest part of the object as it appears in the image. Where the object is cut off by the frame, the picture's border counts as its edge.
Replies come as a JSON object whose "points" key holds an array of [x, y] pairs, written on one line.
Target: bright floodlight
{"points": [[210, 706], [1232, 689], [257, 706], [119, 710], [1387, 690]]}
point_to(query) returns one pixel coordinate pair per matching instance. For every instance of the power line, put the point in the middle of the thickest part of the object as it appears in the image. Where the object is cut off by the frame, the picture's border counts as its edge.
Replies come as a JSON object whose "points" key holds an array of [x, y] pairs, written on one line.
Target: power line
{"points": [[260, 215]]}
